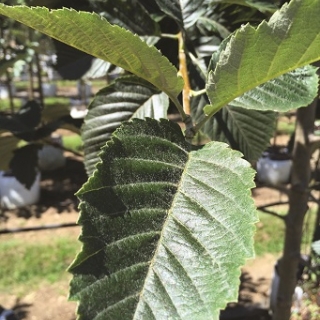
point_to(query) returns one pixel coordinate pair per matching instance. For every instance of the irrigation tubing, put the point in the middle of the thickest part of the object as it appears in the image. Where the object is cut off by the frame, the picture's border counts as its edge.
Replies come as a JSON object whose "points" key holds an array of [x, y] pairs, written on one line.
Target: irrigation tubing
{"points": [[39, 228]]}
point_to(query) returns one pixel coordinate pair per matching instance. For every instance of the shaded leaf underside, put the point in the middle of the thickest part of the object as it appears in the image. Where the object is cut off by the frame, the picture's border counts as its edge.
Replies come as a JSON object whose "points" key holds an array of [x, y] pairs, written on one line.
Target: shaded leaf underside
{"points": [[121, 101], [165, 230], [130, 15], [185, 12], [246, 130]]}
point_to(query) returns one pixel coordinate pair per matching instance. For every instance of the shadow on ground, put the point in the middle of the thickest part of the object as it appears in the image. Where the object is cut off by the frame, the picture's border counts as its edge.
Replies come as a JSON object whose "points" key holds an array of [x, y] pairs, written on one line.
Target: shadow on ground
{"points": [[252, 301], [19, 311]]}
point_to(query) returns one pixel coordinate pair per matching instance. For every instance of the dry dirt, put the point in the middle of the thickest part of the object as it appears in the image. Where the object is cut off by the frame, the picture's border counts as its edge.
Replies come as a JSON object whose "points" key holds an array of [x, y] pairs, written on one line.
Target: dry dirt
{"points": [[58, 205]]}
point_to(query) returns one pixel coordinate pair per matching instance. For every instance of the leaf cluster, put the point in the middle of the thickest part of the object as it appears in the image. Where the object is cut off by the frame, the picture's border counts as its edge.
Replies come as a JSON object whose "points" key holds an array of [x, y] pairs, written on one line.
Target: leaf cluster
{"points": [[166, 225]]}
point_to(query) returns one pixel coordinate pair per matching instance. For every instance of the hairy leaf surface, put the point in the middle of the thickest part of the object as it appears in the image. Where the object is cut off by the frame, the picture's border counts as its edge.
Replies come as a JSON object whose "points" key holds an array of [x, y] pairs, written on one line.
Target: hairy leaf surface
{"points": [[111, 42], [289, 91], [255, 56], [165, 229], [123, 100]]}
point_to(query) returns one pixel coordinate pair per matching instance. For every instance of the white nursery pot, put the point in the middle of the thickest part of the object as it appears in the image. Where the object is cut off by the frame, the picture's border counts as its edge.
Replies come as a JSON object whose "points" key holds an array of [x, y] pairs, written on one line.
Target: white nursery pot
{"points": [[78, 113], [51, 157], [273, 172], [49, 89], [15, 195]]}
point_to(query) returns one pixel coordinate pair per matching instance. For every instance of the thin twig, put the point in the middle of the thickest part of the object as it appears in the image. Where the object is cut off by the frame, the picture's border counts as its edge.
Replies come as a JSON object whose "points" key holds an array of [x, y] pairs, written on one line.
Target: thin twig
{"points": [[280, 188], [39, 228], [278, 203], [59, 146], [272, 213]]}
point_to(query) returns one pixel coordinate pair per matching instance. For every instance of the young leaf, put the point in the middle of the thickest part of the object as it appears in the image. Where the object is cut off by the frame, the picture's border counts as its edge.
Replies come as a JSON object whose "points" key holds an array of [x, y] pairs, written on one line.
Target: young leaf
{"points": [[165, 230], [111, 43], [123, 100], [255, 56]]}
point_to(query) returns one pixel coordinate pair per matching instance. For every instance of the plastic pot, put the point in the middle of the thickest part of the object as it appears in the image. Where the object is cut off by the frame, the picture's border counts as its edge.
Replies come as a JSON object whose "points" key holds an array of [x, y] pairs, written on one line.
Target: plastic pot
{"points": [[15, 195], [274, 172]]}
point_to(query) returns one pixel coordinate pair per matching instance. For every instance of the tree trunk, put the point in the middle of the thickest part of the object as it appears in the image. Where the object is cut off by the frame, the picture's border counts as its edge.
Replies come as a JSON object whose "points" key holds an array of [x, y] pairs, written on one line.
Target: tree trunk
{"points": [[298, 206]]}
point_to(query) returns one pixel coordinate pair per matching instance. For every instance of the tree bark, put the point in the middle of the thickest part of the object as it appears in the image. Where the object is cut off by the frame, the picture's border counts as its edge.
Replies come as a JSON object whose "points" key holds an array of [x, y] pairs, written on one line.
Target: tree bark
{"points": [[298, 206]]}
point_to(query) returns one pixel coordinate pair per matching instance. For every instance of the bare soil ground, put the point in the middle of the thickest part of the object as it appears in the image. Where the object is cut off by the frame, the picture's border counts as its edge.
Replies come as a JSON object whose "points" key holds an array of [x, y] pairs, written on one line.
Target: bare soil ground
{"points": [[58, 205]]}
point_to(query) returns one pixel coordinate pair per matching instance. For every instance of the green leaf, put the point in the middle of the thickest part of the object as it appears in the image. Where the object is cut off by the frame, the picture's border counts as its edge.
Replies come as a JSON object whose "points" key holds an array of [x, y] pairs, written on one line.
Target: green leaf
{"points": [[246, 130], [255, 56], [289, 91], [129, 14], [261, 5], [165, 229], [111, 43], [123, 100], [185, 12]]}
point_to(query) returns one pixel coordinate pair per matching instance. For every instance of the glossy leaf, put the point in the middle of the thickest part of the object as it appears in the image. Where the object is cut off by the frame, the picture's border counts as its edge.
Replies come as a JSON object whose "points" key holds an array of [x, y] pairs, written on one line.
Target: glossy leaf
{"points": [[129, 14], [261, 5], [123, 100], [185, 12]]}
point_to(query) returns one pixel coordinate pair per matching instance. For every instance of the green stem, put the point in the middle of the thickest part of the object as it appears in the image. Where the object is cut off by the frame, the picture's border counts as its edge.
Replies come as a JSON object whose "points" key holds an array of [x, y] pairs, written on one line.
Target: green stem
{"points": [[189, 132], [201, 123], [179, 107], [204, 119]]}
